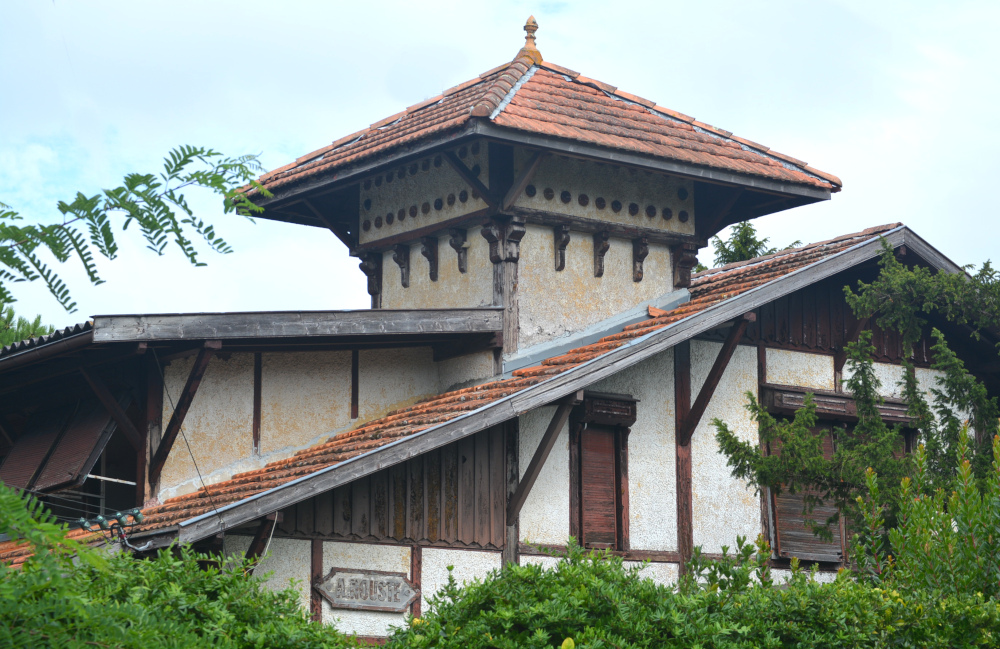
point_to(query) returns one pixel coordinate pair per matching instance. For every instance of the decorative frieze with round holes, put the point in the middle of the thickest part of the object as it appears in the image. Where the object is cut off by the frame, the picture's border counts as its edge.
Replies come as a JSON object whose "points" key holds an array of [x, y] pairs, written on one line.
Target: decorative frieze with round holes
{"points": [[606, 192], [421, 193]]}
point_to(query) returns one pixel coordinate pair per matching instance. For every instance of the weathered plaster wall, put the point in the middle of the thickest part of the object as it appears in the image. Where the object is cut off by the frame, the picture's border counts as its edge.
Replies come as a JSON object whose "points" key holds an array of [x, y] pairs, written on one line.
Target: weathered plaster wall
{"points": [[786, 367], [453, 289], [545, 514], [218, 427], [364, 556], [612, 183], [424, 182], [286, 560], [305, 396], [651, 454], [546, 562], [389, 379], [468, 565], [723, 506], [555, 303], [465, 370]]}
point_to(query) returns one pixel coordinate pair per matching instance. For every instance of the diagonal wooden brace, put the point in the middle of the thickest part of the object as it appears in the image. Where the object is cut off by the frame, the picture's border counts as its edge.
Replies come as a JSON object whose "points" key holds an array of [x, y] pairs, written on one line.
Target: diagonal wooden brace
{"points": [[110, 404], [471, 179], [264, 531], [714, 376], [541, 454]]}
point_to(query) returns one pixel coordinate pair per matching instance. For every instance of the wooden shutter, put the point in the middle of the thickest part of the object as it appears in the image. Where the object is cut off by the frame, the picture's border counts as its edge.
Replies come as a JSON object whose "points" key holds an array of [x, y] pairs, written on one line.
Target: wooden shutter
{"points": [[599, 506], [794, 538]]}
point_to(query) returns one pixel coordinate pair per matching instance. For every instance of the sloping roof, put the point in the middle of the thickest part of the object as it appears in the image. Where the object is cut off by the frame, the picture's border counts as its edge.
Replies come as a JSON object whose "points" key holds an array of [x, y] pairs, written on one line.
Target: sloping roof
{"points": [[15, 553], [537, 97], [31, 343], [708, 289]]}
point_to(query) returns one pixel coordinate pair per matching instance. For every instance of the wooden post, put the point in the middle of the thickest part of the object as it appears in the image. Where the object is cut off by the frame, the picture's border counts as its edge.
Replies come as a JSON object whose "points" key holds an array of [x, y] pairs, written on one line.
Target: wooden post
{"points": [[316, 575], [512, 537], [355, 371], [154, 424], [682, 468], [258, 371], [416, 572]]}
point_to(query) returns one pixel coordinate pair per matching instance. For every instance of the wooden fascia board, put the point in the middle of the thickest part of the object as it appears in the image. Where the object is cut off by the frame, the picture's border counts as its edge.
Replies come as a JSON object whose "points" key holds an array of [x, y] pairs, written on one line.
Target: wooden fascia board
{"points": [[547, 392], [229, 326], [594, 152], [929, 253]]}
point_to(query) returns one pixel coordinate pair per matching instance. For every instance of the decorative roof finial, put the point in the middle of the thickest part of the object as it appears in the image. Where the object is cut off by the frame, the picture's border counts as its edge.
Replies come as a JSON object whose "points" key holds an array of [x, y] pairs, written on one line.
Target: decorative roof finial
{"points": [[530, 49]]}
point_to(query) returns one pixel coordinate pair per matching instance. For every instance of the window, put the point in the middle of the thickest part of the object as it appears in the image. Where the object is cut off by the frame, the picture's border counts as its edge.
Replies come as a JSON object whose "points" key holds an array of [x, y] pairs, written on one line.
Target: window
{"points": [[599, 471]]}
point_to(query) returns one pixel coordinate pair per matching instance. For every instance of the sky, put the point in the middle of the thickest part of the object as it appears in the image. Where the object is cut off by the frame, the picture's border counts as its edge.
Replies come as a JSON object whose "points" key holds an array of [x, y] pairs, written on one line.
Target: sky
{"points": [[898, 99]]}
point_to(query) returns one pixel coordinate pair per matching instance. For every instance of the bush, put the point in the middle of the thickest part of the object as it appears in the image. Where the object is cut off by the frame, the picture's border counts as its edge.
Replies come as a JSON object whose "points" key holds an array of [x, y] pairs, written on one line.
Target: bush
{"points": [[69, 595], [592, 600]]}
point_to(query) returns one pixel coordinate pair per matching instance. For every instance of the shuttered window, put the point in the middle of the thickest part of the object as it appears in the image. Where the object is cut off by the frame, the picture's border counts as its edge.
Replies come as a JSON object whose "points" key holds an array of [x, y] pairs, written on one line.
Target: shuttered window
{"points": [[598, 488], [793, 537]]}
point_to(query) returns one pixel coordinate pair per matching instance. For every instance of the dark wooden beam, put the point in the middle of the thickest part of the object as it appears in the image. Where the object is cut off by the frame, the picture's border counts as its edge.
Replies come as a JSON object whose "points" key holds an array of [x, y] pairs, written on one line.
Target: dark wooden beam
{"points": [[111, 404], [682, 454], [264, 531], [470, 179], [315, 576], [355, 375], [258, 371], [522, 181], [416, 577], [714, 376], [511, 465], [559, 420], [328, 222], [181, 407]]}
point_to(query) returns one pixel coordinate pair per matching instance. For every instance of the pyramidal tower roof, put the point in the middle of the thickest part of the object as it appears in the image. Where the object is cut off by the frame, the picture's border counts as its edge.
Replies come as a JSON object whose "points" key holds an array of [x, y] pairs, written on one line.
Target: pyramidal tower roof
{"points": [[531, 97]]}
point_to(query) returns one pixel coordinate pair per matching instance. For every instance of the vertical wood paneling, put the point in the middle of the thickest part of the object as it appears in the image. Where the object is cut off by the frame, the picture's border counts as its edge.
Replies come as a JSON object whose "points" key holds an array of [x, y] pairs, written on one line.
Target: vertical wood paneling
{"points": [[809, 318], [432, 473], [397, 510], [482, 476], [380, 504], [324, 513], [415, 499], [467, 488], [304, 517], [342, 511], [498, 486], [361, 507], [449, 477]]}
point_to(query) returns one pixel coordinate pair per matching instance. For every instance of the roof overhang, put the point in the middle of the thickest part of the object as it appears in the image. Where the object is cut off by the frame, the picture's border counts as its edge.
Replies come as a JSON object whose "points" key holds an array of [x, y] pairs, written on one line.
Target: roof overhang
{"points": [[555, 388]]}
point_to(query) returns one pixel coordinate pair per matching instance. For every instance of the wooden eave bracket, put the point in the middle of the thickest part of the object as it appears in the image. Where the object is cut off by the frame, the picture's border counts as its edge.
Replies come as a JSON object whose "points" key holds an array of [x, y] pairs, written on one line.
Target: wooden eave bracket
{"points": [[328, 222], [264, 531], [527, 173], [460, 244], [545, 446], [687, 427], [111, 404], [181, 408], [471, 179], [401, 255]]}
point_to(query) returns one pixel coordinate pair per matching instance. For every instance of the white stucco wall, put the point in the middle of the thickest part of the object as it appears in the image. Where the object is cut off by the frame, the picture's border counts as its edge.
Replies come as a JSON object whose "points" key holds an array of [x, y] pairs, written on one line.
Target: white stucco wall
{"points": [[723, 506], [218, 426], [665, 574], [389, 379], [468, 565], [546, 562], [786, 367], [545, 514], [453, 289], [465, 370], [553, 304], [651, 452], [364, 556], [305, 397], [286, 565]]}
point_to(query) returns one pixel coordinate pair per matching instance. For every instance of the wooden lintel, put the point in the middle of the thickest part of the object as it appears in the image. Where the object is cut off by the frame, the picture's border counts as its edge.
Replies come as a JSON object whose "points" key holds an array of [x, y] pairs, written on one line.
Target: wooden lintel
{"points": [[527, 173], [111, 404], [470, 178], [840, 358], [559, 420], [181, 407], [714, 376]]}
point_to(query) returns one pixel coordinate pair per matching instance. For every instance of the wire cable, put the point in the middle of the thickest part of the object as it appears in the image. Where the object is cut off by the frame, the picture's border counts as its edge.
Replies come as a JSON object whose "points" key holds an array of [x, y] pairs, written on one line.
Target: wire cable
{"points": [[204, 486]]}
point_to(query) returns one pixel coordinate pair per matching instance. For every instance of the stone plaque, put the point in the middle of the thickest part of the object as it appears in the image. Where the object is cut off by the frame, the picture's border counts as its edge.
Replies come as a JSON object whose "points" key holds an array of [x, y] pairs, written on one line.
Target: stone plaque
{"points": [[367, 590]]}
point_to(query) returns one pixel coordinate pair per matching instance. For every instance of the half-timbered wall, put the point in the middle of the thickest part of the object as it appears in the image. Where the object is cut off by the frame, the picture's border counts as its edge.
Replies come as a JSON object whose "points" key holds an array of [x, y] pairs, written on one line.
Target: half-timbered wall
{"points": [[454, 497]]}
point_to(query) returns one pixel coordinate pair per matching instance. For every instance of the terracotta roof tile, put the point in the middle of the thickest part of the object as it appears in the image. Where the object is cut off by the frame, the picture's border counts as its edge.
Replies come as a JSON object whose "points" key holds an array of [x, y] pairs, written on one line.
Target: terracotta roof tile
{"points": [[707, 288], [558, 102]]}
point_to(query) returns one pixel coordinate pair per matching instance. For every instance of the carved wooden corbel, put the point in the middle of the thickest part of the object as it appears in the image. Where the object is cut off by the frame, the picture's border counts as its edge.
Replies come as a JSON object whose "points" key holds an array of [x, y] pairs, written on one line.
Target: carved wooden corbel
{"points": [[429, 249], [560, 237], [371, 266], [640, 250], [685, 257], [601, 244], [401, 255], [460, 243], [493, 233], [512, 240]]}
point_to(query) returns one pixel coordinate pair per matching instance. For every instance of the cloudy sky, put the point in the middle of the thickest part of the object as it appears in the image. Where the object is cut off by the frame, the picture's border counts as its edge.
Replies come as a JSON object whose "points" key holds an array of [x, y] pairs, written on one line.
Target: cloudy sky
{"points": [[899, 99]]}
